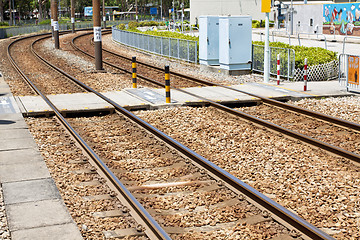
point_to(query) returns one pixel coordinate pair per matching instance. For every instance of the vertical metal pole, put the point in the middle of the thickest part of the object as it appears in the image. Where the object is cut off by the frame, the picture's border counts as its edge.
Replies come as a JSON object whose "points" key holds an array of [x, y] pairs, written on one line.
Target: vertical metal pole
{"points": [[133, 64], [161, 45], [56, 25], [178, 48], [73, 15], [196, 60], [161, 10], [278, 70], [305, 75], [267, 50], [288, 51], [97, 35], [174, 14], [136, 10], [167, 84], [292, 19], [52, 18], [182, 17], [104, 13], [188, 51]]}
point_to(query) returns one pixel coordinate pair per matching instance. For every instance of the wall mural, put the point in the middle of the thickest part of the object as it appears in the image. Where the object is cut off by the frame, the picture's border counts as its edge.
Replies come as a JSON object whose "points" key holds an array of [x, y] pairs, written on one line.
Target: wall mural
{"points": [[343, 18]]}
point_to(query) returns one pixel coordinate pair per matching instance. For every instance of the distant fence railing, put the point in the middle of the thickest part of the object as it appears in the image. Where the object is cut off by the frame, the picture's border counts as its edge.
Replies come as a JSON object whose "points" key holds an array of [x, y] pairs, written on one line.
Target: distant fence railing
{"points": [[15, 31], [171, 47], [287, 60]]}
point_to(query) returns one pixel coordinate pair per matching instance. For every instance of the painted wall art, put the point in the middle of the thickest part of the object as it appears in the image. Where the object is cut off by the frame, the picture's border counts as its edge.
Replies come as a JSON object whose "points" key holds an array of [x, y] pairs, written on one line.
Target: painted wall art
{"points": [[341, 18]]}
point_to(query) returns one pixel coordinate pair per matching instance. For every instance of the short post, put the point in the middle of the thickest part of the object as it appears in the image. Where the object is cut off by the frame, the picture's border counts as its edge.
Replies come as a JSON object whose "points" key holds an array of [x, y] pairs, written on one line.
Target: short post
{"points": [[133, 64], [305, 75], [278, 69], [167, 84]]}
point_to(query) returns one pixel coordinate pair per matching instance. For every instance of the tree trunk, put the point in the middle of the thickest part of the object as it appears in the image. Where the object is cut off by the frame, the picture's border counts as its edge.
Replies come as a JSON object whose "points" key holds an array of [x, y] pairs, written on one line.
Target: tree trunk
{"points": [[10, 12], [1, 10], [40, 11]]}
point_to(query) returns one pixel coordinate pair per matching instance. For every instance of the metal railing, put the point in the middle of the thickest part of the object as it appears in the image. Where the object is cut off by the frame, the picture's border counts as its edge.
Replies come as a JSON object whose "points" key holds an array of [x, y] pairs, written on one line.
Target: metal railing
{"points": [[344, 40], [317, 34], [171, 47], [349, 80], [281, 32], [15, 31], [287, 60]]}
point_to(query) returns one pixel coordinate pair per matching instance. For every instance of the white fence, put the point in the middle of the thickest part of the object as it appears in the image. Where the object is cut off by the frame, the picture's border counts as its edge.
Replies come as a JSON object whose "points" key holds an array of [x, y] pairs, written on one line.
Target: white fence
{"points": [[320, 72], [171, 47]]}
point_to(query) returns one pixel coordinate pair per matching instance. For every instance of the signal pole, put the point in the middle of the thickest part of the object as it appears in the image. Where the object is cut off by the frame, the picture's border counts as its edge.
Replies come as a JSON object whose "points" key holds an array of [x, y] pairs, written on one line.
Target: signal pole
{"points": [[266, 8], [104, 13], [54, 14], [97, 35], [73, 15]]}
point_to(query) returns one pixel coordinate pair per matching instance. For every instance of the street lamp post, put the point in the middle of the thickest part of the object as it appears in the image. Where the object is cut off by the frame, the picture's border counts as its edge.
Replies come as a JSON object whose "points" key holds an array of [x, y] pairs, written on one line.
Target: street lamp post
{"points": [[292, 19]]}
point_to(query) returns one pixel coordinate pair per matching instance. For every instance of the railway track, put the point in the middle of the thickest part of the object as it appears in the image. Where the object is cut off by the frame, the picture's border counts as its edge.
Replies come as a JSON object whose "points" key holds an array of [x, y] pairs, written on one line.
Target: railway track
{"points": [[283, 108], [189, 165]]}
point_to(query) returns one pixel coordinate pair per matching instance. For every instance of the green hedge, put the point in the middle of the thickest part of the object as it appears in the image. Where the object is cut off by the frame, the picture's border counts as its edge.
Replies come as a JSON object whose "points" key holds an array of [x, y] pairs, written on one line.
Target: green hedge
{"points": [[315, 55], [261, 24], [4, 24], [131, 28]]}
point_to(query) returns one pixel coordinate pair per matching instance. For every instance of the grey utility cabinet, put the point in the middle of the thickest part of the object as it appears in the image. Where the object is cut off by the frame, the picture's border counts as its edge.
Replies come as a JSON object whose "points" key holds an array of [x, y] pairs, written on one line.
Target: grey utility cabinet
{"points": [[235, 46], [209, 40]]}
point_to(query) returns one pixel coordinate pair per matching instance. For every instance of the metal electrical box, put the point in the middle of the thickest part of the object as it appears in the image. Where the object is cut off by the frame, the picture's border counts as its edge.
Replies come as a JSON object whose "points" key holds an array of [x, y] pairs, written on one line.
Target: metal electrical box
{"points": [[209, 40], [235, 43]]}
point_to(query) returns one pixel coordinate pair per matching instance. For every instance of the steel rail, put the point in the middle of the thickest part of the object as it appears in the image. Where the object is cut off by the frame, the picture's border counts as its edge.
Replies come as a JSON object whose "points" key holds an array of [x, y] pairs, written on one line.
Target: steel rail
{"points": [[154, 230], [286, 106], [312, 141], [280, 213]]}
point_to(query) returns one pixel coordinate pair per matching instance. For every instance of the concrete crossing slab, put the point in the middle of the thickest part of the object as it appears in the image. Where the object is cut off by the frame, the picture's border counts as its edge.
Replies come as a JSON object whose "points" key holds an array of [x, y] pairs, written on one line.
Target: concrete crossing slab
{"points": [[146, 98], [179, 96], [126, 100], [318, 89], [270, 90], [78, 101]]}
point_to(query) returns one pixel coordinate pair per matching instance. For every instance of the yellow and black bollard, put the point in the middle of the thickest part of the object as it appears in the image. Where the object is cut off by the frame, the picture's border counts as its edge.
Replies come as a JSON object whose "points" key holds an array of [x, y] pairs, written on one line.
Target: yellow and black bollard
{"points": [[167, 84], [133, 64]]}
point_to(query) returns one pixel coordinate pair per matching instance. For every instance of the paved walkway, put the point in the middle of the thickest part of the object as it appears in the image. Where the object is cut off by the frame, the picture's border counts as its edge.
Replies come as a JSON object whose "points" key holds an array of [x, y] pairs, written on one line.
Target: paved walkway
{"points": [[352, 44], [34, 207]]}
